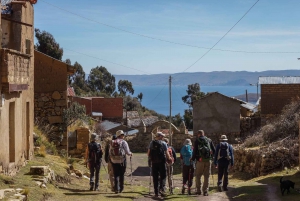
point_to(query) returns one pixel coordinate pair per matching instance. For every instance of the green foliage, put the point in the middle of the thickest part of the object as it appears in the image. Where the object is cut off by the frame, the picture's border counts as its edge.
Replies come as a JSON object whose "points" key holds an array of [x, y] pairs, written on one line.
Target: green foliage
{"points": [[176, 120], [193, 94], [47, 44], [78, 81], [100, 80], [140, 96], [131, 103], [188, 119], [75, 112], [124, 87], [42, 140]]}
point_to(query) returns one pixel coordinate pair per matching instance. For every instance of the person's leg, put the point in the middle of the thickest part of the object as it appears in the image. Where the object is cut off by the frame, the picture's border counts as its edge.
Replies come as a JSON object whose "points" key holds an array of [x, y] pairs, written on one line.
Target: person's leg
{"points": [[225, 181], [163, 175], [155, 177], [116, 168], [199, 172], [171, 178], [185, 174], [191, 172], [123, 170], [92, 176], [220, 175], [97, 169], [206, 172], [111, 175]]}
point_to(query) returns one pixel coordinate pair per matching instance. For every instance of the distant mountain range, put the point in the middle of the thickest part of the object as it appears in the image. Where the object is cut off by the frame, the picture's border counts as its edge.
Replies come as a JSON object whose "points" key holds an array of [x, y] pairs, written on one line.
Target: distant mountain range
{"points": [[215, 78]]}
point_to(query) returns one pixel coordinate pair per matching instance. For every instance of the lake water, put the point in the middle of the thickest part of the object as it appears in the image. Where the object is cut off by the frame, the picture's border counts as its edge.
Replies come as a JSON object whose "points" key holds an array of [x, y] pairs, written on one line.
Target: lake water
{"points": [[157, 97]]}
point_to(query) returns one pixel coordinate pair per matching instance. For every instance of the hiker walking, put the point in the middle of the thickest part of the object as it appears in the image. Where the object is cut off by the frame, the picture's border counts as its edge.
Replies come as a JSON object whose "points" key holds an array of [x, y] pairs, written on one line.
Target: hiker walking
{"points": [[203, 154], [93, 158], [186, 153], [117, 152], [109, 164], [169, 164], [223, 158], [158, 154]]}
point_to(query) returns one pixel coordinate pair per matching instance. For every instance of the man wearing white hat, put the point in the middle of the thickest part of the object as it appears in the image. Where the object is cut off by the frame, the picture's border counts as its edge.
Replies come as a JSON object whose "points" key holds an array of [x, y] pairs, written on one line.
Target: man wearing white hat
{"points": [[118, 150], [223, 158], [158, 154], [94, 158]]}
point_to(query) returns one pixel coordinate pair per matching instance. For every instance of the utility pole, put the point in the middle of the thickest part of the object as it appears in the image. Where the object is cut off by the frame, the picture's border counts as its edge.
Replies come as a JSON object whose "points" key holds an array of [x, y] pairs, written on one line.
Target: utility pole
{"points": [[246, 96], [170, 93]]}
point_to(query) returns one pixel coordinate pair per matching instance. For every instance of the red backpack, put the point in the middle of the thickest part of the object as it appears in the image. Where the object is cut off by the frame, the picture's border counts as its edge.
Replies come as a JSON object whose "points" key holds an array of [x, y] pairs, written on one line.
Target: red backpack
{"points": [[171, 161]]}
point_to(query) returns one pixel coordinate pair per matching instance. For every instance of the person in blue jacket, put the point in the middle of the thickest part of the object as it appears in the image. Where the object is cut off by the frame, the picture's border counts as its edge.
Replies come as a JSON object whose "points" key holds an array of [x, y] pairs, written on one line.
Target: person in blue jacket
{"points": [[186, 154], [224, 157]]}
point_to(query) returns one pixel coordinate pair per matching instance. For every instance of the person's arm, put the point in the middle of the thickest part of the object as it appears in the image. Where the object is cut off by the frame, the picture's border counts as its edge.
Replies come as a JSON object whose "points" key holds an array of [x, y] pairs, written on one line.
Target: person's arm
{"points": [[165, 148], [212, 146], [195, 150], [106, 154], [216, 155], [174, 154], [86, 154], [126, 148], [232, 155]]}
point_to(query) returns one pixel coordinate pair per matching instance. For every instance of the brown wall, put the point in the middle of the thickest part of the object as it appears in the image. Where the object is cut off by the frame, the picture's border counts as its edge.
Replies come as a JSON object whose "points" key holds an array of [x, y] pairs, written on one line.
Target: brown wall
{"points": [[86, 102], [275, 96], [109, 107], [16, 125]]}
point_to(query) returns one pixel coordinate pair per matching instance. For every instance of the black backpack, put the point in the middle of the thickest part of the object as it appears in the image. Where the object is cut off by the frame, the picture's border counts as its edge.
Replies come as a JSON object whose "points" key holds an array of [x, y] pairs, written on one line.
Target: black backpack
{"points": [[95, 152], [204, 149], [224, 151], [157, 153]]}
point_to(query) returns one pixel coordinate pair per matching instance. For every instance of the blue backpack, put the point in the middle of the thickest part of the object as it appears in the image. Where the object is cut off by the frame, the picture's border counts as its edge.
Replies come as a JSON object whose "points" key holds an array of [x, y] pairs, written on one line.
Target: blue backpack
{"points": [[186, 153]]}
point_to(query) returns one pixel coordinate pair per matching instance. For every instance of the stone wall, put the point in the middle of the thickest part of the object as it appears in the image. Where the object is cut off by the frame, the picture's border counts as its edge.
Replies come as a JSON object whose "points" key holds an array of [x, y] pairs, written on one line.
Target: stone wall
{"points": [[261, 161]]}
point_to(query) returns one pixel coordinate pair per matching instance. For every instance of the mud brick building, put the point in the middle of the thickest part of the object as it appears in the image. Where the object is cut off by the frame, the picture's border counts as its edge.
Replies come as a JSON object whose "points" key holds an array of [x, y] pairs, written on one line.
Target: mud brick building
{"points": [[16, 86]]}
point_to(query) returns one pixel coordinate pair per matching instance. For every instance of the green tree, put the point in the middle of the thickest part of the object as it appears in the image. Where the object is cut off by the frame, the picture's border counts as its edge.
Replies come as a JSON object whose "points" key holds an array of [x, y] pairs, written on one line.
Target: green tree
{"points": [[78, 81], [188, 119], [100, 80], [47, 44], [125, 86], [193, 93], [140, 96]]}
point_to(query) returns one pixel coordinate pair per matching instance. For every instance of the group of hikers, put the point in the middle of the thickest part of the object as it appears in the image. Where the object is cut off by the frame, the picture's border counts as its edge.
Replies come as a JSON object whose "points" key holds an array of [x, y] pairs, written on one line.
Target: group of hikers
{"points": [[195, 160]]}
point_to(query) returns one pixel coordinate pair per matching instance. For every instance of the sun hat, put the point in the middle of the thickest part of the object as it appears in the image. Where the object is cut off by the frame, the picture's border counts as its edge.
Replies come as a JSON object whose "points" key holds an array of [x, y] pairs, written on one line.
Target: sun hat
{"points": [[160, 134], [200, 132], [187, 142], [223, 138], [93, 136], [166, 140], [119, 132]]}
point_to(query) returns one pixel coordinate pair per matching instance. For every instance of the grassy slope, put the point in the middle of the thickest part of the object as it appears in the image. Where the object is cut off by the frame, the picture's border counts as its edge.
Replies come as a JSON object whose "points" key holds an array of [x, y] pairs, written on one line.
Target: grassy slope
{"points": [[241, 186]]}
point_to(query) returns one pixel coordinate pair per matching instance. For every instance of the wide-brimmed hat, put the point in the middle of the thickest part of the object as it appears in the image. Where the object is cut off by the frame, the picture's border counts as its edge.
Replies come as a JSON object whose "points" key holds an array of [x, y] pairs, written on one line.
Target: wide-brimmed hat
{"points": [[200, 132], [223, 138], [119, 132], [93, 136], [166, 140], [160, 134], [187, 142]]}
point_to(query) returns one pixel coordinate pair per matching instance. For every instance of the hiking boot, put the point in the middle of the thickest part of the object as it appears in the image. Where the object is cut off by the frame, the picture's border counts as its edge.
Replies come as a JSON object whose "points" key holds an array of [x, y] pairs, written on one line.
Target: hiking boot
{"points": [[156, 195], [171, 192], [189, 191], [182, 190], [163, 193], [205, 193], [91, 188], [219, 188], [225, 188], [198, 193], [97, 189]]}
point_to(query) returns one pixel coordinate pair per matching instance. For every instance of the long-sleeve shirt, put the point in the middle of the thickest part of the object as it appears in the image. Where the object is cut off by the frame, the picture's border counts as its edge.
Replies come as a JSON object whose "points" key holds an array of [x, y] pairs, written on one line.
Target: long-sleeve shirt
{"points": [[223, 160], [196, 152]]}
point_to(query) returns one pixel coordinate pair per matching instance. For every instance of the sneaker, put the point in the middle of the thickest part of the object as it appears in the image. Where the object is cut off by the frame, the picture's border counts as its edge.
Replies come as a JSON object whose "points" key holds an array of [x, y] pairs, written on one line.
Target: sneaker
{"points": [[185, 186], [205, 193], [219, 188]]}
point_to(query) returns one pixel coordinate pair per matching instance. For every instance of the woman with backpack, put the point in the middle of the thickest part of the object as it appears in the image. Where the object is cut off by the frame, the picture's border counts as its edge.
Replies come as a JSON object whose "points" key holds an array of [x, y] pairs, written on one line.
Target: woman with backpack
{"points": [[186, 154]]}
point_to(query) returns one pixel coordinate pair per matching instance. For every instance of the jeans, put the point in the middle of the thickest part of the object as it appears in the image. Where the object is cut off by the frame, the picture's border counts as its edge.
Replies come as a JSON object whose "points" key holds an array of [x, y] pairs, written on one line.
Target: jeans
{"points": [[119, 171], [94, 178], [223, 173], [159, 169]]}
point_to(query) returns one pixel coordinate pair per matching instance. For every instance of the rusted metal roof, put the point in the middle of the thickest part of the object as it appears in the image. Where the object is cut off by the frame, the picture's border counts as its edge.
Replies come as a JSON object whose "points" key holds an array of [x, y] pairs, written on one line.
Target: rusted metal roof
{"points": [[279, 80], [70, 91]]}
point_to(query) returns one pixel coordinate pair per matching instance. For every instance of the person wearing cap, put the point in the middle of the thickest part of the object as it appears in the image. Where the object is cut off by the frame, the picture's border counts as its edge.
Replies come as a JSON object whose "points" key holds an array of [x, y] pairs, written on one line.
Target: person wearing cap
{"points": [[93, 158], [203, 163], [170, 165], [119, 161], [109, 164], [186, 153], [158, 154], [223, 158]]}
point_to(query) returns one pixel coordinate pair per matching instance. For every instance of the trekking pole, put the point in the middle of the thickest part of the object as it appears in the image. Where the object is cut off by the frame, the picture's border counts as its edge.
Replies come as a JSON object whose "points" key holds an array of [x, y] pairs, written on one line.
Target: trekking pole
{"points": [[212, 176], [131, 171]]}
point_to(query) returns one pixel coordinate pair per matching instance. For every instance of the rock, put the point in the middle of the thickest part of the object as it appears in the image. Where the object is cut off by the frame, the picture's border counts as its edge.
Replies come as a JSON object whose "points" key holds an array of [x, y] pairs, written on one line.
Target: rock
{"points": [[39, 170], [78, 172], [85, 177], [56, 95], [1, 194], [43, 186], [38, 183], [87, 174]]}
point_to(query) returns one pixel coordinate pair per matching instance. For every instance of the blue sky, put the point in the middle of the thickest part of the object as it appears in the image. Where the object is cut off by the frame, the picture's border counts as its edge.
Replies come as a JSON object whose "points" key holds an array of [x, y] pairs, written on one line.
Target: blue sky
{"points": [[271, 26]]}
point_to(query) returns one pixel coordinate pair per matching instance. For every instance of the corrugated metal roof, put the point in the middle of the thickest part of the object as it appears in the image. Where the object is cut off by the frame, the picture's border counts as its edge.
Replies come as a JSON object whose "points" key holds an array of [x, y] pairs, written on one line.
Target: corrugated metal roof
{"points": [[279, 80], [97, 114], [70, 91], [108, 125], [248, 106]]}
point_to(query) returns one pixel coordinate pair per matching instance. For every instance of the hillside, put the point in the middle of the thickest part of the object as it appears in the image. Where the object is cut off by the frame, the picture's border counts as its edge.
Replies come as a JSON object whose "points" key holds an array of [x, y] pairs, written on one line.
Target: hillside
{"points": [[216, 78]]}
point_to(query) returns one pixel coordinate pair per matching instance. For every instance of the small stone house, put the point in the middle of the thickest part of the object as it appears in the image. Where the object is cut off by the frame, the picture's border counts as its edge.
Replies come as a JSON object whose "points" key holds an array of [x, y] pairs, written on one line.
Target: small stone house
{"points": [[217, 114], [50, 88], [276, 92], [16, 86]]}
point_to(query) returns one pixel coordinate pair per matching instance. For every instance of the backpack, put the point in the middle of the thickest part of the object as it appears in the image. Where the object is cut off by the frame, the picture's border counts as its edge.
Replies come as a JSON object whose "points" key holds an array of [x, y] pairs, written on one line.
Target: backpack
{"points": [[116, 151], [95, 152], [186, 153], [224, 151], [157, 154], [204, 150], [171, 161]]}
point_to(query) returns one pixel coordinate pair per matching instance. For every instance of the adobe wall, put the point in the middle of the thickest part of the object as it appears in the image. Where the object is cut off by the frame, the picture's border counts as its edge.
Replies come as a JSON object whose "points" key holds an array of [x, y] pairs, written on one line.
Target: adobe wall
{"points": [[87, 102], [275, 96], [111, 108], [22, 119]]}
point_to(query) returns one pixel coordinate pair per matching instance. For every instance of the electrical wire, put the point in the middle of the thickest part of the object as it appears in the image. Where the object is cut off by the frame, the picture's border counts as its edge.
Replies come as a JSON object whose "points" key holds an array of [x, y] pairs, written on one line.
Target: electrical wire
{"points": [[167, 41]]}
